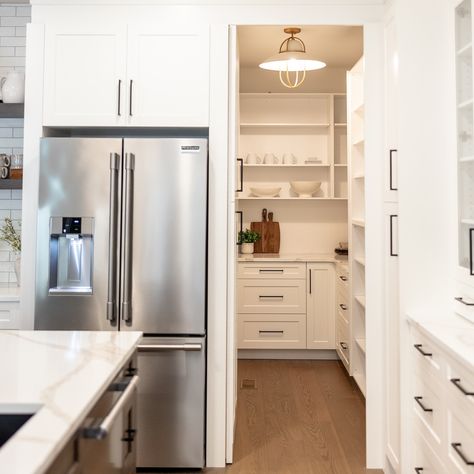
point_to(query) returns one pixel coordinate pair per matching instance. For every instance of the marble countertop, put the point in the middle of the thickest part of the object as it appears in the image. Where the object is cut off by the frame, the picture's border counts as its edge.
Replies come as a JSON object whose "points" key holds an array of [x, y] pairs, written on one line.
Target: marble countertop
{"points": [[292, 257], [9, 293], [61, 374], [453, 333]]}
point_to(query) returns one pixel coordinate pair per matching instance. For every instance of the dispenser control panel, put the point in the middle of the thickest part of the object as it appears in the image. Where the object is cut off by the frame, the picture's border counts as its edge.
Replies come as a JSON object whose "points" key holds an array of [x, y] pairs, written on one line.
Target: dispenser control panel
{"points": [[72, 225]]}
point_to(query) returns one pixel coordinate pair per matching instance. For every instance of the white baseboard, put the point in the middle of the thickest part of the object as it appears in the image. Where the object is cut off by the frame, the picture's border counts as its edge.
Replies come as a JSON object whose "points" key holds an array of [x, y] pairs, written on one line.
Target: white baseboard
{"points": [[296, 354]]}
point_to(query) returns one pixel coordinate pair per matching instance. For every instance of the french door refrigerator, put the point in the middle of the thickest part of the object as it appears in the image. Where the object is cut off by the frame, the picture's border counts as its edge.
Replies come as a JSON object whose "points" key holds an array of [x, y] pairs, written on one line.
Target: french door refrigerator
{"points": [[122, 237]]}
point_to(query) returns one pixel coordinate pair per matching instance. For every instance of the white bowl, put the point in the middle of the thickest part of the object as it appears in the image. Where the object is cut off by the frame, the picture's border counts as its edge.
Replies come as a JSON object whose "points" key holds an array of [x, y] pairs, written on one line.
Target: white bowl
{"points": [[265, 191], [305, 188]]}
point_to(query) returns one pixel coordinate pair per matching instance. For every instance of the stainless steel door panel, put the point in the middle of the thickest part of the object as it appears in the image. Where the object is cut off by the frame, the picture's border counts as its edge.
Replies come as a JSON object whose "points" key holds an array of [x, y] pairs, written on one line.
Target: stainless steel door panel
{"points": [[169, 236], [75, 180], [171, 402]]}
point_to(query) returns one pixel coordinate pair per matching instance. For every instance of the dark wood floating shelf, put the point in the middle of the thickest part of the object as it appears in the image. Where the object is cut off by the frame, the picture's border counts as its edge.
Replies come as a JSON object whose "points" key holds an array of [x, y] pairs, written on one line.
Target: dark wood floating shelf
{"points": [[12, 110], [11, 183]]}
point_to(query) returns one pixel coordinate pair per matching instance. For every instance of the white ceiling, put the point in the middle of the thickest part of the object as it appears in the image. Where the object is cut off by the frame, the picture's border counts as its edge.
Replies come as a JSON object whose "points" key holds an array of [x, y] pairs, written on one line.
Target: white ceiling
{"points": [[337, 46]]}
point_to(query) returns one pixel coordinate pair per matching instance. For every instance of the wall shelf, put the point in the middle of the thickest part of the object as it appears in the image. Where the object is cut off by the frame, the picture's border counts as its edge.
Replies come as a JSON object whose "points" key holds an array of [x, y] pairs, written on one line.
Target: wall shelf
{"points": [[296, 165], [360, 260], [252, 198], [360, 299], [12, 110], [464, 50], [11, 183], [360, 380], [283, 125], [361, 344], [358, 222]]}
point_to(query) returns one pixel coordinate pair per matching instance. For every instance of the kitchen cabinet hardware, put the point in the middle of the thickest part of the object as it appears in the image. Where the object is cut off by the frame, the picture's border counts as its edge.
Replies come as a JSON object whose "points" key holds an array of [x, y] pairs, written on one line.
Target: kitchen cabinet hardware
{"points": [[457, 448], [119, 94], [265, 331], [241, 225], [343, 345], [127, 240], [241, 187], [391, 153], [392, 253], [418, 470], [343, 278], [270, 270], [168, 347], [461, 300], [457, 383], [113, 222], [310, 281], [419, 347], [425, 409], [343, 306], [471, 265], [131, 98], [280, 297]]}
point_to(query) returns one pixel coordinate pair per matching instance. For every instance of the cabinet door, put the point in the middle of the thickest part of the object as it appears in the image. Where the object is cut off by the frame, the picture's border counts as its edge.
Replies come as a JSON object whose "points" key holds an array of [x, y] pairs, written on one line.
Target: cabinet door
{"points": [[168, 76], [321, 306], [85, 70]]}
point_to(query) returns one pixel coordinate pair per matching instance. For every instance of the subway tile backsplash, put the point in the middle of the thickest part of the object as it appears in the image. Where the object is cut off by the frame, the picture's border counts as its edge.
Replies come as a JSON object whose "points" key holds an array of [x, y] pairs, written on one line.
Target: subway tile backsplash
{"points": [[13, 20]]}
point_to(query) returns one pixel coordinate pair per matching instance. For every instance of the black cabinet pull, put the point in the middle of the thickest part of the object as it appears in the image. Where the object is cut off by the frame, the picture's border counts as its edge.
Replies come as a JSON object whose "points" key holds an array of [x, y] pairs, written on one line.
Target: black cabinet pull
{"points": [[392, 187], [418, 347], [241, 188], [418, 400], [310, 282], [343, 278], [270, 332], [461, 300], [457, 383], [119, 113], [343, 345], [418, 470], [131, 97], [241, 219], [270, 270], [457, 448], [279, 297], [471, 266], [392, 253]]}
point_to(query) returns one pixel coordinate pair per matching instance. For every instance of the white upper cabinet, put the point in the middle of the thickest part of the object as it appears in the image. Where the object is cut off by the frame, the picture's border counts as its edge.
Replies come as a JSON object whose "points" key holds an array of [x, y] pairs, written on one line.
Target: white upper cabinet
{"points": [[168, 76], [85, 70], [127, 76]]}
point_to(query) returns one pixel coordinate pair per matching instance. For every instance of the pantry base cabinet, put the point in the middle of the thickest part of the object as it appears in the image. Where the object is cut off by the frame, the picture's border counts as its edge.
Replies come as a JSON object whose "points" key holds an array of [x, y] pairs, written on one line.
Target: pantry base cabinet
{"points": [[286, 305]]}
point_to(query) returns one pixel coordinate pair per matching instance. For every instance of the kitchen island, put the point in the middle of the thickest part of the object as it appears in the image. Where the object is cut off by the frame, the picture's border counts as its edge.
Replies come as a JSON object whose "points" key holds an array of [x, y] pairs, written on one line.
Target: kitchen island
{"points": [[58, 376]]}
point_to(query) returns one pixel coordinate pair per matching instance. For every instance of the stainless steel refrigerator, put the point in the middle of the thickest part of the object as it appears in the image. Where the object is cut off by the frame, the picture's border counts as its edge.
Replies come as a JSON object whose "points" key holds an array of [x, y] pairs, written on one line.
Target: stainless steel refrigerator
{"points": [[122, 238]]}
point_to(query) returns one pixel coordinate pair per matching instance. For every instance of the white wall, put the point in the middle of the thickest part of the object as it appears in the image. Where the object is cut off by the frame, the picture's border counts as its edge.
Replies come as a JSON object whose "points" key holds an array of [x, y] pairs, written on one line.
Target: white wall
{"points": [[13, 19]]}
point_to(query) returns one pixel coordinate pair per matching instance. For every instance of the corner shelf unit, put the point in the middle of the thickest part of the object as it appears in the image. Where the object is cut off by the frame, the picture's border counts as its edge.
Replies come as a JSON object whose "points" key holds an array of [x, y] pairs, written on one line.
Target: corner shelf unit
{"points": [[356, 185], [306, 125]]}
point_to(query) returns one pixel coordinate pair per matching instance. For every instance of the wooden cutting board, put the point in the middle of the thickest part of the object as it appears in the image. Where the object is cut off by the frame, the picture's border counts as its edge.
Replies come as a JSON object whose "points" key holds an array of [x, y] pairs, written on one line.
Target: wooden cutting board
{"points": [[270, 234]]}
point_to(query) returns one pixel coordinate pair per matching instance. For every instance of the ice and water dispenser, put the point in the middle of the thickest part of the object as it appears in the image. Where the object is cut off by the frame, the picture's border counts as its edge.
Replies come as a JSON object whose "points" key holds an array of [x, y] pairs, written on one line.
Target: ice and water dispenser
{"points": [[71, 249]]}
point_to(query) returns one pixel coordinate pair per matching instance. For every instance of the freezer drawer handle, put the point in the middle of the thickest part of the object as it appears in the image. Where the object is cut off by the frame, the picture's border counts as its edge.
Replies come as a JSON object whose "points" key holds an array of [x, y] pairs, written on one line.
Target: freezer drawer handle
{"points": [[457, 448], [457, 383], [168, 347], [113, 219], [103, 430]]}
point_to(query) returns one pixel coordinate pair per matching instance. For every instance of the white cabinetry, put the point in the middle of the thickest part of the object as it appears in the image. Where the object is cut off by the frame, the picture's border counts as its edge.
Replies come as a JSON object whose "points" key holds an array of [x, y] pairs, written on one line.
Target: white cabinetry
{"points": [[121, 75], [320, 304], [343, 323], [10, 315]]}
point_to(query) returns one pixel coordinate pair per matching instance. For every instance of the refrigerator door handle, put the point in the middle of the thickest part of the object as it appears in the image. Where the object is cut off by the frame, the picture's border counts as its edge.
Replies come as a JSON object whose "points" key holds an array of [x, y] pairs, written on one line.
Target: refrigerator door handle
{"points": [[127, 239], [168, 347], [113, 219]]}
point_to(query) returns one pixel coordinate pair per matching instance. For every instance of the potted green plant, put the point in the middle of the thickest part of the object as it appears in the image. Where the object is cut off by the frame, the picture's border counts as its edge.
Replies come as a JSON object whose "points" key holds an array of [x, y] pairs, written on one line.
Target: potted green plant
{"points": [[12, 236], [247, 238]]}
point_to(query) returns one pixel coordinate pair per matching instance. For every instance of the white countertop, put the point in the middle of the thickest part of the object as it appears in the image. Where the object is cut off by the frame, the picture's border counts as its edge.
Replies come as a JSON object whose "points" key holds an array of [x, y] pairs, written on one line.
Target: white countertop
{"points": [[292, 257], [61, 372], [9, 293], [453, 333]]}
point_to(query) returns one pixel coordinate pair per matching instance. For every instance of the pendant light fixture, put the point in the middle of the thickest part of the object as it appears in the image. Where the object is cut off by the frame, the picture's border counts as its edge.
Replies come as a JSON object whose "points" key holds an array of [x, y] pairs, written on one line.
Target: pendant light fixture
{"points": [[292, 61]]}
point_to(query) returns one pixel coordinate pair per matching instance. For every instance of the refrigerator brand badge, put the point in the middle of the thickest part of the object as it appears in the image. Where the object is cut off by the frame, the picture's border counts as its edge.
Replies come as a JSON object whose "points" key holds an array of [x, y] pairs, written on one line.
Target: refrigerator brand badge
{"points": [[190, 148]]}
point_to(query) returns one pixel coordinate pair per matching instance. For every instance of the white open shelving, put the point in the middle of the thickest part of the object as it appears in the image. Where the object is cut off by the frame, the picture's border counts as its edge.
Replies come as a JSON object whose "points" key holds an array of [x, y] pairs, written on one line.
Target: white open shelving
{"points": [[356, 186]]}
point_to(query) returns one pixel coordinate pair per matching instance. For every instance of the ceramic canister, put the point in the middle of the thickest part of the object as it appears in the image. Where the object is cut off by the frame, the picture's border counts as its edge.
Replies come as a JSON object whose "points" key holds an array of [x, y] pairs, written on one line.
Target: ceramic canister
{"points": [[13, 88]]}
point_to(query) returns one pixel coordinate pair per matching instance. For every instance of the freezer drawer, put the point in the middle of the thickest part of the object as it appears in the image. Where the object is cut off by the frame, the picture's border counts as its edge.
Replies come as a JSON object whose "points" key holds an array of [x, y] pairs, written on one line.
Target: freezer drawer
{"points": [[171, 403]]}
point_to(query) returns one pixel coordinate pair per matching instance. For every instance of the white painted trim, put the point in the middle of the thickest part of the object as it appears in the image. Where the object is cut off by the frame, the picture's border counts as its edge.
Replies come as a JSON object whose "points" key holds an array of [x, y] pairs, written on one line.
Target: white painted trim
{"points": [[32, 134], [288, 354]]}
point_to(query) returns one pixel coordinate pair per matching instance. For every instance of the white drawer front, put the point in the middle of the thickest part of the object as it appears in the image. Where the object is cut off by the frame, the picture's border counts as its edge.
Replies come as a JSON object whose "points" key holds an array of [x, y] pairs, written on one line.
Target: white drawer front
{"points": [[342, 283], [460, 443], [342, 306], [427, 357], [261, 331], [342, 341], [424, 460], [460, 388], [428, 406], [10, 315], [271, 296], [270, 270]]}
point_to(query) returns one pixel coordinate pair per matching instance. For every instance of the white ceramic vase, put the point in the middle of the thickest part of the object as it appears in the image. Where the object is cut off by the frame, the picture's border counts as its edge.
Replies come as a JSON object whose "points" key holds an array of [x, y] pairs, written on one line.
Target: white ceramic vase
{"points": [[246, 248], [13, 88], [18, 269]]}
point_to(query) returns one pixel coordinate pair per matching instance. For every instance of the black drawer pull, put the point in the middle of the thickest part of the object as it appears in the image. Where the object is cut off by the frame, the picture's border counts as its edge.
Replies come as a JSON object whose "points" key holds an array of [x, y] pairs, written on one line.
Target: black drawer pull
{"points": [[456, 447], [461, 300], [418, 400], [280, 297], [418, 470], [343, 345], [343, 306], [457, 383], [270, 332], [271, 270], [418, 347], [343, 278]]}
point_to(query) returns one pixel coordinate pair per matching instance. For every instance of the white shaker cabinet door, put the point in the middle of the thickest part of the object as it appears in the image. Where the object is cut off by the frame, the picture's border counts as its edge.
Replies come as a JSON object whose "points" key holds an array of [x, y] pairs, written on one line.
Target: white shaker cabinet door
{"points": [[85, 75], [168, 76], [320, 317]]}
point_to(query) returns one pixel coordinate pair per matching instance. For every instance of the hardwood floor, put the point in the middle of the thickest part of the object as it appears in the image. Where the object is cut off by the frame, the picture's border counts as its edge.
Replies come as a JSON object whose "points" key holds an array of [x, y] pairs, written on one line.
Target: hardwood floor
{"points": [[303, 417]]}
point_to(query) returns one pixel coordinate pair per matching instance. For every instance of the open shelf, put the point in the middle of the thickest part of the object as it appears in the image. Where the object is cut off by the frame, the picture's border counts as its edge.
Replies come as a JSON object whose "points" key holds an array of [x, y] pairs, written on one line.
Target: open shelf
{"points": [[361, 344], [280, 165], [360, 380], [11, 183], [340, 124], [360, 299], [283, 125], [466, 159], [358, 222], [358, 142], [12, 110], [252, 198], [360, 260], [465, 103], [464, 50], [467, 221]]}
